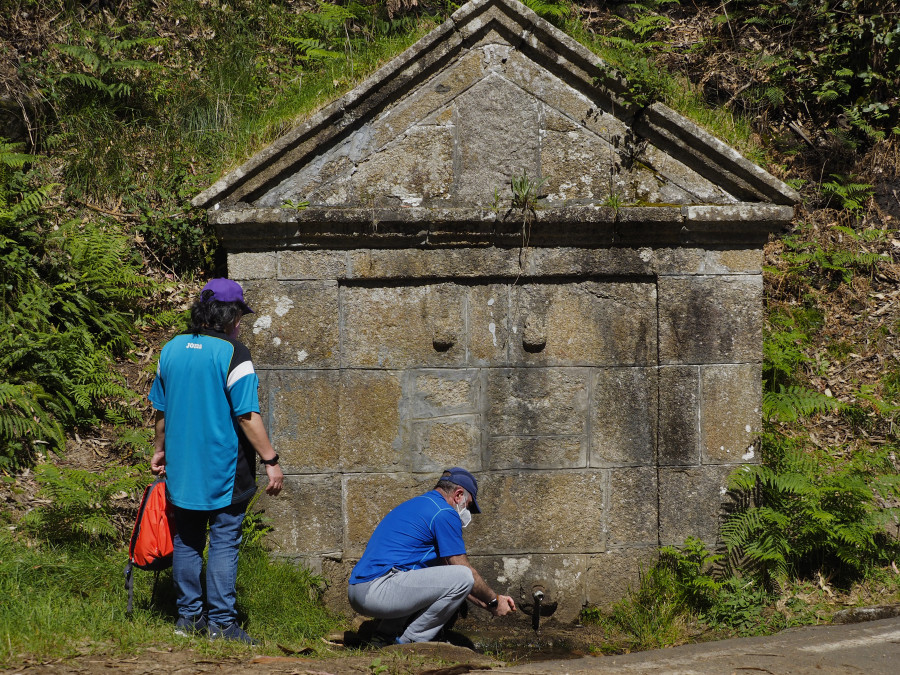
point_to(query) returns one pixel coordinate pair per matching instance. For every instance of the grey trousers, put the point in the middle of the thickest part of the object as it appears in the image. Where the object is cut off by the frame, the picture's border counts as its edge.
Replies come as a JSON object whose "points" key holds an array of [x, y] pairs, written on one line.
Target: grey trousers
{"points": [[429, 596]]}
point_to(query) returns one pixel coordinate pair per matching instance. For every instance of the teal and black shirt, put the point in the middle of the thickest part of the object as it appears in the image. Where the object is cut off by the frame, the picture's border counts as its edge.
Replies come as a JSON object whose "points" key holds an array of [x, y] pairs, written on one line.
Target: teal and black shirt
{"points": [[203, 383]]}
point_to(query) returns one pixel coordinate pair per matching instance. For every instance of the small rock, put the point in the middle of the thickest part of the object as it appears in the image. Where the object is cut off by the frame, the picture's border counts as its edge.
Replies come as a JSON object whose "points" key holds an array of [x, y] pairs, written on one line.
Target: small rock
{"points": [[860, 614]]}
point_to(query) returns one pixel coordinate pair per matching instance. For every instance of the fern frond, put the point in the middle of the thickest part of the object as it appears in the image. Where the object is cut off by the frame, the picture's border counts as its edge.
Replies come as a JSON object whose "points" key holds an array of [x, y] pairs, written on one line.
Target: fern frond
{"points": [[84, 80], [14, 160], [323, 54], [31, 202], [792, 403], [547, 9], [24, 417], [80, 53], [133, 64]]}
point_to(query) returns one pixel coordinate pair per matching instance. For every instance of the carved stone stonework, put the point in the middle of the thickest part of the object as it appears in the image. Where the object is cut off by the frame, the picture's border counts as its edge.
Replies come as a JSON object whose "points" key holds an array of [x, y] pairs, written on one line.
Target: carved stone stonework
{"points": [[592, 353]]}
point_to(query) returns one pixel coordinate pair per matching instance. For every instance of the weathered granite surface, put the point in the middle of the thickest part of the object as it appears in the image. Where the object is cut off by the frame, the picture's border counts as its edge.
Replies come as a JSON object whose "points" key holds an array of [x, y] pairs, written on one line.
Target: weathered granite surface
{"points": [[594, 358]]}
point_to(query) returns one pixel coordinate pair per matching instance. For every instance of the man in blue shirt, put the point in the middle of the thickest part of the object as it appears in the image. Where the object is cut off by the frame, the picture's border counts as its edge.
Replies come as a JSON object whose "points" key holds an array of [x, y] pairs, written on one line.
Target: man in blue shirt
{"points": [[414, 573], [207, 428]]}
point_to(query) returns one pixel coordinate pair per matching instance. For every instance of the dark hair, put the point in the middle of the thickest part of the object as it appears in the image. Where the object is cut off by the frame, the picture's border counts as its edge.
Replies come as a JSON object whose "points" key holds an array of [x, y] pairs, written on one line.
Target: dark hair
{"points": [[213, 314]]}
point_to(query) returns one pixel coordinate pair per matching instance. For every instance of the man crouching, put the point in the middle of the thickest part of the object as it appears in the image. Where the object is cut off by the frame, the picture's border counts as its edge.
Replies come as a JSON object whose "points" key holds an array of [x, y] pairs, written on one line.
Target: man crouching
{"points": [[414, 573]]}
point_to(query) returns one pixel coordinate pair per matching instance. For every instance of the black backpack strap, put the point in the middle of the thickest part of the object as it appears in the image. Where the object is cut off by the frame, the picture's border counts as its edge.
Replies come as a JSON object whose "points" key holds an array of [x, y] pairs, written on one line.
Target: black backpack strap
{"points": [[129, 586], [153, 592]]}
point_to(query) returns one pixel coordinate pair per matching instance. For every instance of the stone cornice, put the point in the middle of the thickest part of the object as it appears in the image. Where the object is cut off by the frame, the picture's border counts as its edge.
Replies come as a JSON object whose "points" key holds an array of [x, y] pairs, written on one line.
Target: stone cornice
{"points": [[246, 228]]}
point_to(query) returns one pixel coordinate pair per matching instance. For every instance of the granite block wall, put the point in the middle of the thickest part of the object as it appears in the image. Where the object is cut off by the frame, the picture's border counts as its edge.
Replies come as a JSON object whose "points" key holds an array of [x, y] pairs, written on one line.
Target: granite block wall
{"points": [[601, 413]]}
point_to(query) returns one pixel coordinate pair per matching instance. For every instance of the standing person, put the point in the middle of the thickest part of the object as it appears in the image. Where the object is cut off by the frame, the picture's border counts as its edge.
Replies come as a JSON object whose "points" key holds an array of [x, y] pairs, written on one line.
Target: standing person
{"points": [[207, 427], [414, 573]]}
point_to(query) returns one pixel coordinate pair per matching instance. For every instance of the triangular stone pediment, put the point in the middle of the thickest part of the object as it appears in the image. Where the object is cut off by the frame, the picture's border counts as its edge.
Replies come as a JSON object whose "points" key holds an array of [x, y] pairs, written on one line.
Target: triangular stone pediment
{"points": [[493, 94]]}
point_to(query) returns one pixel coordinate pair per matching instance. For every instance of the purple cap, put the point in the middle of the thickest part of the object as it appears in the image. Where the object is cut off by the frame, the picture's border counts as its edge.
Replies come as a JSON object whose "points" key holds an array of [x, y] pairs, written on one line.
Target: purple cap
{"points": [[226, 290], [459, 476]]}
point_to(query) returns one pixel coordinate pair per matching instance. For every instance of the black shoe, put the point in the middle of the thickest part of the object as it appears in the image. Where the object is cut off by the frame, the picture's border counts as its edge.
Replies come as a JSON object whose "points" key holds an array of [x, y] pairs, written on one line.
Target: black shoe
{"points": [[191, 625], [230, 631], [379, 640]]}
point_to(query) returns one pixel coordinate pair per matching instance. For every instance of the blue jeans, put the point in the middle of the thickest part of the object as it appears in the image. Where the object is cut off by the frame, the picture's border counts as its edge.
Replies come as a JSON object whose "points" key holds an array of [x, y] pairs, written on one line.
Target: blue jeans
{"points": [[221, 564]]}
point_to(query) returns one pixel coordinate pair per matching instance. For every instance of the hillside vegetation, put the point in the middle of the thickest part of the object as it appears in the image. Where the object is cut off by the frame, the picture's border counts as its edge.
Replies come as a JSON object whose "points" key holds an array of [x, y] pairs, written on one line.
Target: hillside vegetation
{"points": [[114, 115]]}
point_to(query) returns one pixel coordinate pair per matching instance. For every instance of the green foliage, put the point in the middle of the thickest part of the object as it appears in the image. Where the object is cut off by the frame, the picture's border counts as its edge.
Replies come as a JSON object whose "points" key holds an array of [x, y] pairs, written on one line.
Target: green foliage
{"points": [[852, 196], [328, 32], [311, 48], [102, 67], [614, 201], [890, 383], [790, 404], [525, 192], [23, 417], [651, 615], [802, 511], [143, 113], [291, 204], [633, 47], [784, 341], [729, 602], [67, 301], [690, 565], [845, 54], [287, 617], [134, 443], [255, 526], [554, 11], [687, 586], [82, 506], [831, 264], [668, 594], [742, 605], [62, 601]]}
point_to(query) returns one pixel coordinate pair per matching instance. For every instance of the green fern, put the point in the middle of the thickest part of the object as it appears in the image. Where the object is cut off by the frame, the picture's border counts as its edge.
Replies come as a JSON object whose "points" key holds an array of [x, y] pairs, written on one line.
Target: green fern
{"points": [[25, 422], [634, 50], [68, 305], [312, 48], [551, 10], [102, 58], [802, 511], [852, 195], [690, 565], [789, 404], [84, 506], [836, 264]]}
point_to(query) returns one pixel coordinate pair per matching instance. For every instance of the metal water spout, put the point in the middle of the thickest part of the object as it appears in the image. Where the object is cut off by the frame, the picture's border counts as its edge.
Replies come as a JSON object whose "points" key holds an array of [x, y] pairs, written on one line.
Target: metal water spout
{"points": [[538, 595]]}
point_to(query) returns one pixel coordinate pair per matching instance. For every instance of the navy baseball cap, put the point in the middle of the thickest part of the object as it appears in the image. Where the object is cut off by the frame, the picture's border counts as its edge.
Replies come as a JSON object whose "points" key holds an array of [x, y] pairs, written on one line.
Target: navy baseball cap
{"points": [[226, 290], [459, 476]]}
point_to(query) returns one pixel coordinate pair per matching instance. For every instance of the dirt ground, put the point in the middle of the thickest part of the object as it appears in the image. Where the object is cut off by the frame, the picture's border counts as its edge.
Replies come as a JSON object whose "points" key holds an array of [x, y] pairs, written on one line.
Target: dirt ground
{"points": [[488, 648], [443, 660]]}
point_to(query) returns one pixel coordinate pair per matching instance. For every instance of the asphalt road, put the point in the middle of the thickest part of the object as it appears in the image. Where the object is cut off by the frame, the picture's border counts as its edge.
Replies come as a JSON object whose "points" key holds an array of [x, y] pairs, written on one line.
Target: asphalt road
{"points": [[872, 648]]}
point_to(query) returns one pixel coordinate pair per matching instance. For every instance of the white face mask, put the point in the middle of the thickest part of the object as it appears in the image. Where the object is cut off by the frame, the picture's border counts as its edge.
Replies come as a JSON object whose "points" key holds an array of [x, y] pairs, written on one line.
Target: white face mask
{"points": [[464, 515]]}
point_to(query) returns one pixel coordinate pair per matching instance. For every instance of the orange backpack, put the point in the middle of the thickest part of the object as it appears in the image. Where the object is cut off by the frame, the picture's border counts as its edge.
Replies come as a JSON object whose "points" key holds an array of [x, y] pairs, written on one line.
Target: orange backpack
{"points": [[151, 540]]}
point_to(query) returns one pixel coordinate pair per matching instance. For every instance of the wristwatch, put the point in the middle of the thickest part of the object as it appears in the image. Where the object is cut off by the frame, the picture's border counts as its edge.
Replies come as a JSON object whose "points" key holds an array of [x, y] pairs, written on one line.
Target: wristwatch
{"points": [[270, 462], [493, 603]]}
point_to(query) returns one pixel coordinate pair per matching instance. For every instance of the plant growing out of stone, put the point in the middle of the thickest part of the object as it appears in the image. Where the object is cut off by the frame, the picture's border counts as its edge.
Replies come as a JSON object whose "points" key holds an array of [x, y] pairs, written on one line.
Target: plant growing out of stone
{"points": [[525, 192], [614, 201], [291, 204], [525, 195], [495, 204]]}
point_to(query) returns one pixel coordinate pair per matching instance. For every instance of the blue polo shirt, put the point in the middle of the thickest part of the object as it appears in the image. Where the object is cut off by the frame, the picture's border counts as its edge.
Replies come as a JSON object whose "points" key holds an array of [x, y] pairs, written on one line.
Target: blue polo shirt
{"points": [[415, 534], [203, 382]]}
